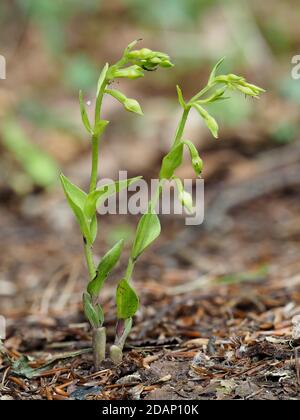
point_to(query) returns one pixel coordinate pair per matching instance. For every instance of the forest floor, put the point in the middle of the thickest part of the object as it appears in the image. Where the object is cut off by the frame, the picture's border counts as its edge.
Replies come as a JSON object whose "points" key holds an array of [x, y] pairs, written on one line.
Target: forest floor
{"points": [[215, 319]]}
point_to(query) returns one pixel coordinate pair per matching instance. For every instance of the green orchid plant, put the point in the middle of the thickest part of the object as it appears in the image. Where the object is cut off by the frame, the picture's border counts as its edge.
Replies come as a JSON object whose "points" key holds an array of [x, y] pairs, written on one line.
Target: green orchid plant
{"points": [[132, 65]]}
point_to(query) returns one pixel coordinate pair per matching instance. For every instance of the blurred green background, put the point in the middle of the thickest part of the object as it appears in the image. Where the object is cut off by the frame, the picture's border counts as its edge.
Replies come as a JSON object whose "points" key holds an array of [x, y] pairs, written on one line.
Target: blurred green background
{"points": [[54, 48]]}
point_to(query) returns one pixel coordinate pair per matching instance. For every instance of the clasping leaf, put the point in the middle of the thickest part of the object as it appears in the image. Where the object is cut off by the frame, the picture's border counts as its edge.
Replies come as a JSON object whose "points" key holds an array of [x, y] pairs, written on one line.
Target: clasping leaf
{"points": [[104, 192], [94, 313], [127, 300], [102, 78], [171, 162], [147, 231], [105, 266], [214, 71], [84, 116], [76, 199], [180, 97]]}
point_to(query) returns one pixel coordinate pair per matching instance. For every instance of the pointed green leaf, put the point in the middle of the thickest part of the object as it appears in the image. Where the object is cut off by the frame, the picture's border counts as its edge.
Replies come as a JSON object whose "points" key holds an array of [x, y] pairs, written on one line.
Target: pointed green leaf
{"points": [[147, 231], [94, 314], [196, 160], [76, 199], [100, 127], [105, 266], [73, 192], [171, 162], [84, 116], [102, 78], [214, 71], [210, 122], [180, 97], [127, 300], [104, 192]]}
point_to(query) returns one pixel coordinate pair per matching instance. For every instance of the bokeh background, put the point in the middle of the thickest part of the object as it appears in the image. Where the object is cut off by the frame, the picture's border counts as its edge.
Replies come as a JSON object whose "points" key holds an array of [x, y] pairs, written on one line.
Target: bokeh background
{"points": [[53, 49]]}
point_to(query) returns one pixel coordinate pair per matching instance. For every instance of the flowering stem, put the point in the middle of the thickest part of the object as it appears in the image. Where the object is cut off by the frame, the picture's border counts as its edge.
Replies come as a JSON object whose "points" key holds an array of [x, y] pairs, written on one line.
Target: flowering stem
{"points": [[89, 259], [95, 160], [116, 350], [181, 126]]}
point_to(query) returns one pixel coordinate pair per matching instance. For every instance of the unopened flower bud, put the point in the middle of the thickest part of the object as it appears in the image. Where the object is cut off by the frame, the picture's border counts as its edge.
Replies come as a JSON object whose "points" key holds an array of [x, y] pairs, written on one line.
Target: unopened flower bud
{"points": [[186, 200], [131, 72]]}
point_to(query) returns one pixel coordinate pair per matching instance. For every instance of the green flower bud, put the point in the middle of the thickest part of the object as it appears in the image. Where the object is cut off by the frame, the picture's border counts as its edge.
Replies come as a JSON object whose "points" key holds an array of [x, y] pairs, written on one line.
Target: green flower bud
{"points": [[186, 200], [130, 105], [133, 106], [196, 160], [246, 90], [155, 60], [166, 64], [146, 53], [210, 122], [142, 54], [131, 72]]}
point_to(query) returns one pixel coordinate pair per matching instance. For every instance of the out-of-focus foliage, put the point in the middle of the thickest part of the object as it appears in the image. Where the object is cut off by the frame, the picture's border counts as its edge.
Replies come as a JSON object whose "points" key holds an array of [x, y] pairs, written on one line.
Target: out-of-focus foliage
{"points": [[54, 47], [168, 13], [52, 16], [40, 168]]}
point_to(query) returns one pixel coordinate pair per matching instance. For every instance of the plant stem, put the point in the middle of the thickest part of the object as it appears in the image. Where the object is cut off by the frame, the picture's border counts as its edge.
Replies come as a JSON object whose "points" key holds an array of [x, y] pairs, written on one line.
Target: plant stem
{"points": [[99, 346], [95, 160], [96, 139], [130, 269], [202, 92], [116, 351], [89, 259], [181, 126], [99, 334]]}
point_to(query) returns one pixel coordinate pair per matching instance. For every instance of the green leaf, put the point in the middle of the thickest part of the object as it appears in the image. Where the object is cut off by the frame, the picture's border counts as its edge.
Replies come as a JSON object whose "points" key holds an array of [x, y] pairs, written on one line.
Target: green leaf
{"points": [[94, 228], [171, 162], [102, 78], [214, 71], [76, 199], [73, 192], [127, 300], [180, 97], [84, 116], [210, 122], [94, 314], [196, 160], [147, 231], [105, 266], [130, 105], [100, 127], [104, 192]]}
